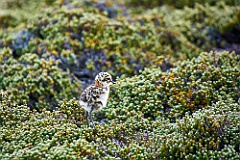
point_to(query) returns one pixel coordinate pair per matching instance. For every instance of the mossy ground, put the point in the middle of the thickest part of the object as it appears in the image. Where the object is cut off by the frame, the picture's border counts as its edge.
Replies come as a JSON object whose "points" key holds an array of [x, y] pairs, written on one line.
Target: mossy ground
{"points": [[174, 97]]}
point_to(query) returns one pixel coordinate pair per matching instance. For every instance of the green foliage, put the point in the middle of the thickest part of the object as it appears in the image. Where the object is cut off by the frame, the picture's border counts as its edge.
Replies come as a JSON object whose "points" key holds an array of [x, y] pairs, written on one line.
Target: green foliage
{"points": [[177, 4], [191, 86], [204, 26], [15, 12], [38, 82], [200, 136], [173, 101], [127, 47], [137, 127], [123, 44], [7, 20]]}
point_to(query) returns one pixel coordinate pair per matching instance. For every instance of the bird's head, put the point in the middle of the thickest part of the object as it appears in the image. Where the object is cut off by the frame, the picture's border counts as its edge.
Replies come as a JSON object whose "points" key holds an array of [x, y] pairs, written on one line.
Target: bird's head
{"points": [[103, 79]]}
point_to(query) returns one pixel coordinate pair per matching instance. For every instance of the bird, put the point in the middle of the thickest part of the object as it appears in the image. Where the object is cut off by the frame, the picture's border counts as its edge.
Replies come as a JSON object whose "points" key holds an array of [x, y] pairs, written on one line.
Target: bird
{"points": [[95, 96]]}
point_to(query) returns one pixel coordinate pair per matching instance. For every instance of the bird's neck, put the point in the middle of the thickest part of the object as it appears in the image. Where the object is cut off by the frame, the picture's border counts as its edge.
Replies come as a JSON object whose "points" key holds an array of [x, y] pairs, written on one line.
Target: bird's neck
{"points": [[105, 88], [98, 84]]}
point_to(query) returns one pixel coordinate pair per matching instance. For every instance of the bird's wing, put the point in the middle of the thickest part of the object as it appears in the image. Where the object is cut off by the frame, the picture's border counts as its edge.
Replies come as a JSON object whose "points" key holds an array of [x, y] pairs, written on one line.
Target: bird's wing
{"points": [[88, 94], [85, 95], [91, 93]]}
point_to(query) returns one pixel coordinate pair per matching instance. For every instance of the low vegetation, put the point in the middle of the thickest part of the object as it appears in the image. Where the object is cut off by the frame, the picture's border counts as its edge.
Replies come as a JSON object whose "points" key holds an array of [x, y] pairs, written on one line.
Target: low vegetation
{"points": [[174, 98]]}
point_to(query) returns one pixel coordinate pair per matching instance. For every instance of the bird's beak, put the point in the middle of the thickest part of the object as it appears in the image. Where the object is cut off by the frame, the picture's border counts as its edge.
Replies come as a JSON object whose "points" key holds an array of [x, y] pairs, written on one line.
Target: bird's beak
{"points": [[113, 82]]}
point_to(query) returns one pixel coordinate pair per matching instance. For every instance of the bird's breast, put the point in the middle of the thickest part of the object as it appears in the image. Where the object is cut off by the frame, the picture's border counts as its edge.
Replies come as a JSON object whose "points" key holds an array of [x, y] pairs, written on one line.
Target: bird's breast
{"points": [[103, 98]]}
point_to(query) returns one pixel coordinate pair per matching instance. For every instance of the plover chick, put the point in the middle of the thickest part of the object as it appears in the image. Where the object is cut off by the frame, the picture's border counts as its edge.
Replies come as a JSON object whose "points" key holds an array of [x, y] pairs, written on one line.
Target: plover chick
{"points": [[95, 96]]}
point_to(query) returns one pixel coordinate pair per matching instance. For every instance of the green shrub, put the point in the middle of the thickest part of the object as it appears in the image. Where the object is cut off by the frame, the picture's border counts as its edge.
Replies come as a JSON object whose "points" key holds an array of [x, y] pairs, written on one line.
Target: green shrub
{"points": [[191, 86], [177, 4], [15, 12], [190, 111], [207, 133], [38, 82], [121, 45], [204, 26]]}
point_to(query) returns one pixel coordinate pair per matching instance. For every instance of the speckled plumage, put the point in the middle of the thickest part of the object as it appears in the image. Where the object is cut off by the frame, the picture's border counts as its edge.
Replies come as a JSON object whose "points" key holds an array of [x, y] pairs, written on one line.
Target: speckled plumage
{"points": [[94, 97]]}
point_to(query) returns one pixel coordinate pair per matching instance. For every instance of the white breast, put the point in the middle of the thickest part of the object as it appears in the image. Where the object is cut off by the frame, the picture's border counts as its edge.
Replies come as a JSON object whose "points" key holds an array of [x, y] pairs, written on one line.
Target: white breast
{"points": [[103, 98]]}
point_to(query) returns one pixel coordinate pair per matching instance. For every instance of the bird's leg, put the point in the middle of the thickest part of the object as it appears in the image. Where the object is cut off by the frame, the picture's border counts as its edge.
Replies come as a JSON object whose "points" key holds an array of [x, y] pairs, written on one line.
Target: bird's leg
{"points": [[91, 117], [86, 117]]}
